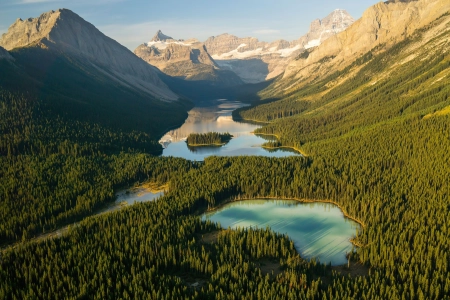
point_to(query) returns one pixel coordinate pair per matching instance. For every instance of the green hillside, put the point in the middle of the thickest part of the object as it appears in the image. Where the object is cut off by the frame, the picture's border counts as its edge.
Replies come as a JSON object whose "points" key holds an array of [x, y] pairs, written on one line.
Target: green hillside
{"points": [[63, 129], [377, 141]]}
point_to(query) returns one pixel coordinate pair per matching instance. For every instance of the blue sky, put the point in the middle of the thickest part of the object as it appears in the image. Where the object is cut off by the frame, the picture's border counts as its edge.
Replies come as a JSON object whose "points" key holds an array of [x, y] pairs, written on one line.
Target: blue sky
{"points": [[132, 22]]}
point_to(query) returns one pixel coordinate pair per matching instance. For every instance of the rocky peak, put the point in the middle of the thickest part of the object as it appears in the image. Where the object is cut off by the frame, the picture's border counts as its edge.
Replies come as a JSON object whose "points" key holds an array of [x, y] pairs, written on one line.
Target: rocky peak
{"points": [[320, 30], [160, 37], [63, 31], [385, 23]]}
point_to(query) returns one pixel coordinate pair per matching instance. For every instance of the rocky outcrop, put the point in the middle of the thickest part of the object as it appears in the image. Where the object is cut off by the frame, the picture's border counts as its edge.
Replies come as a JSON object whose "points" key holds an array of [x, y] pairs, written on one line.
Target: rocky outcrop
{"points": [[321, 30], [256, 61], [184, 59], [5, 54], [383, 24], [65, 32], [161, 37]]}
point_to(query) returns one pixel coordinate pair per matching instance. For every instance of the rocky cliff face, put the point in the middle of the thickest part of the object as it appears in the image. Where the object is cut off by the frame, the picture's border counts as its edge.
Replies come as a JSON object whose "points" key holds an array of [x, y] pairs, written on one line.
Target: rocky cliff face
{"points": [[256, 61], [385, 23], [65, 32], [185, 59], [321, 30]]}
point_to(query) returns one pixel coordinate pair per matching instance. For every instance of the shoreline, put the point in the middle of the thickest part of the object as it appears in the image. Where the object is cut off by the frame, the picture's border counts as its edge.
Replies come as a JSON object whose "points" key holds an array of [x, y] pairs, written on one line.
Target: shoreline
{"points": [[107, 207], [251, 120], [206, 145], [303, 153]]}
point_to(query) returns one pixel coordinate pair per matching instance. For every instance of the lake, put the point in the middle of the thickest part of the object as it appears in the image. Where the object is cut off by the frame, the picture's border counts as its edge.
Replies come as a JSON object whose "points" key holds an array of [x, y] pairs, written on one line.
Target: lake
{"points": [[319, 230], [131, 196], [216, 117]]}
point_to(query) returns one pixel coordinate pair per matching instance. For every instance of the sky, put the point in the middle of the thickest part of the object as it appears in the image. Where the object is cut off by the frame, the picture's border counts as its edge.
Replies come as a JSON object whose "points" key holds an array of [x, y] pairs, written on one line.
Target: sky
{"points": [[133, 22]]}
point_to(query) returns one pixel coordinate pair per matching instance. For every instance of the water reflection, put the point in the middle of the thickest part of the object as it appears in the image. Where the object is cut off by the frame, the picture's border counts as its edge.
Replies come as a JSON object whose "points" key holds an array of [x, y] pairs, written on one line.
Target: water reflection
{"points": [[216, 117], [318, 230]]}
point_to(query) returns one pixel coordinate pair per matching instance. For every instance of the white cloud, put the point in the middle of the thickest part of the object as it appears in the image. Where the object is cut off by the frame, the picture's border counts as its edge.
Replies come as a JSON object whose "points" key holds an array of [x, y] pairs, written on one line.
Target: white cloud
{"points": [[266, 31]]}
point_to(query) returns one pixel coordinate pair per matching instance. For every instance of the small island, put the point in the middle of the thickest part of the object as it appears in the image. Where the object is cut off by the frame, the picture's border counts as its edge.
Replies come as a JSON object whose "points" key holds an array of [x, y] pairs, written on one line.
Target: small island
{"points": [[208, 139]]}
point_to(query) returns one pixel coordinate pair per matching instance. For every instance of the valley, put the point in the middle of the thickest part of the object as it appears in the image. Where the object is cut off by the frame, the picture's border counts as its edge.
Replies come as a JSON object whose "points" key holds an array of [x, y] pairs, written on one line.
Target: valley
{"points": [[360, 211], [216, 117]]}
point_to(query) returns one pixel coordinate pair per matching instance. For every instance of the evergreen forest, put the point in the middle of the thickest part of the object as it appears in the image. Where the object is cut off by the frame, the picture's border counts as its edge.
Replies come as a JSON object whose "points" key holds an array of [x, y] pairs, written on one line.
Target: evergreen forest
{"points": [[377, 144], [209, 138]]}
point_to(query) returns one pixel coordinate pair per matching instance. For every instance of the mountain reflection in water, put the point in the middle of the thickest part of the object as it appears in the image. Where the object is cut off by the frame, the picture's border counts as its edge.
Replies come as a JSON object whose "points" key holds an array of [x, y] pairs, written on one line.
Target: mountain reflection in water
{"points": [[216, 117]]}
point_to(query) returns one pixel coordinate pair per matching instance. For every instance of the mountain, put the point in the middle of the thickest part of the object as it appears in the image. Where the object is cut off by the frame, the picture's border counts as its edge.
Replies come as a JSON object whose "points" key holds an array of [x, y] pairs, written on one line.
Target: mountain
{"points": [[321, 30], [382, 25], [391, 63], [63, 31], [159, 36], [188, 60], [256, 61], [220, 58], [80, 74]]}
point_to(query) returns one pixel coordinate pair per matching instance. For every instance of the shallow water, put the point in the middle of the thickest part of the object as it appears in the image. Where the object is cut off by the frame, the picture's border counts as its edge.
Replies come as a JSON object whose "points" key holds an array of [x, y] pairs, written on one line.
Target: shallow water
{"points": [[137, 195], [217, 118], [319, 230]]}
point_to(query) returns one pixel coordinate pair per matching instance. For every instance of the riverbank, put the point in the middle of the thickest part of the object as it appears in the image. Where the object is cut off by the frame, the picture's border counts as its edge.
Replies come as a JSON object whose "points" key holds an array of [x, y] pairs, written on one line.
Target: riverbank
{"points": [[121, 201], [207, 145]]}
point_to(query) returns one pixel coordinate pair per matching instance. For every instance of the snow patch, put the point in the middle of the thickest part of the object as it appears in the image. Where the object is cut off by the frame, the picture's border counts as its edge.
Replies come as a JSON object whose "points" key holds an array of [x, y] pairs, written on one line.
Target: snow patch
{"points": [[163, 45], [288, 51], [312, 43], [238, 55], [235, 54]]}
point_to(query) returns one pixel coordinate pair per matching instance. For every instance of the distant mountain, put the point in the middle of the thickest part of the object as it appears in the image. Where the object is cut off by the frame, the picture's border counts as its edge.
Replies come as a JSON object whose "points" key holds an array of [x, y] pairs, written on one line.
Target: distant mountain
{"points": [[256, 61], [188, 60], [79, 73], [160, 37], [381, 26], [65, 32], [391, 62], [321, 30]]}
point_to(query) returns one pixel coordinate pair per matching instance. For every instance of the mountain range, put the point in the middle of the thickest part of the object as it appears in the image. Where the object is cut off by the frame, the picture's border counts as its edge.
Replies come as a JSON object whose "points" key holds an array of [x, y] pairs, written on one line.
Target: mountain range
{"points": [[80, 73], [368, 108], [222, 57], [188, 60]]}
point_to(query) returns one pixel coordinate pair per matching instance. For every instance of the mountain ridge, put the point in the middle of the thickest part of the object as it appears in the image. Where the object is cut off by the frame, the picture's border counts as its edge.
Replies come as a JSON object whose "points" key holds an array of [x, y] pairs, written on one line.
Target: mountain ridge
{"points": [[65, 32], [252, 60], [188, 60], [376, 27]]}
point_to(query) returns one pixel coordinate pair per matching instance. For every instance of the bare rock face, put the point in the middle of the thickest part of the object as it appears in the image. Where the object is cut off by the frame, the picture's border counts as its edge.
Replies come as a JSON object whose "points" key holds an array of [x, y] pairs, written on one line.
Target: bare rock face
{"points": [[66, 32], [161, 37], [185, 59], [385, 23], [256, 61], [321, 30], [5, 54]]}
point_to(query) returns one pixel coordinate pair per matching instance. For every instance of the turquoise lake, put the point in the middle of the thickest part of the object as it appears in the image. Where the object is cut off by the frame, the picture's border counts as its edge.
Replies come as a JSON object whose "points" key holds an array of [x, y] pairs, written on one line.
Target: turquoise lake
{"points": [[319, 230]]}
